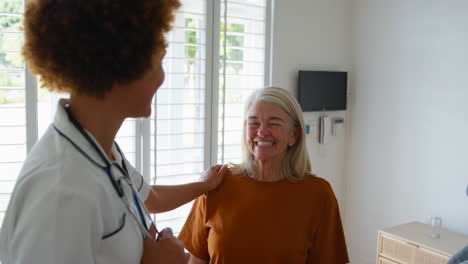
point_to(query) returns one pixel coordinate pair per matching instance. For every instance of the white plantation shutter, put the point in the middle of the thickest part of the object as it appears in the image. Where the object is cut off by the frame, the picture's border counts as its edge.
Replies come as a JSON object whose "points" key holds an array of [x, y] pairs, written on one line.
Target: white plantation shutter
{"points": [[242, 69], [13, 140], [196, 118], [178, 131]]}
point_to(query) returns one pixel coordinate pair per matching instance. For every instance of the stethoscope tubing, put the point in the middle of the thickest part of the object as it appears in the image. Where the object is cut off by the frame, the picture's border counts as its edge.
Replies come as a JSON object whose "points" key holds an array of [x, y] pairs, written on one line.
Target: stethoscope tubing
{"points": [[116, 183]]}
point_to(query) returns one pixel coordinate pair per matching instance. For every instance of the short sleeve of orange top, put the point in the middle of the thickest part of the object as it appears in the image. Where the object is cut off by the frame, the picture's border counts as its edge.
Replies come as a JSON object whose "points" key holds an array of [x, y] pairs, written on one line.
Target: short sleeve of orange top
{"points": [[247, 221]]}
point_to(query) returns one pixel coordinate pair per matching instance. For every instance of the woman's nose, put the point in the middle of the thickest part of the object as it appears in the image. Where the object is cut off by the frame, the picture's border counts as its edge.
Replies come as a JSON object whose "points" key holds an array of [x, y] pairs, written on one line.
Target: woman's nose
{"points": [[263, 130]]}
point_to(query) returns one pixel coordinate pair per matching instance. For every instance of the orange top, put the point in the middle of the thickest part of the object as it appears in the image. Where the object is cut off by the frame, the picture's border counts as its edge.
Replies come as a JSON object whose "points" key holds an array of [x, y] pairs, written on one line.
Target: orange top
{"points": [[248, 221]]}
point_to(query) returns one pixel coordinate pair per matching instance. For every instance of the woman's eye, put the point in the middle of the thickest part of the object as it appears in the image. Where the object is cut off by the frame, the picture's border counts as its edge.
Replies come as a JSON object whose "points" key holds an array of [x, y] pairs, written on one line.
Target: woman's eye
{"points": [[253, 124], [275, 124]]}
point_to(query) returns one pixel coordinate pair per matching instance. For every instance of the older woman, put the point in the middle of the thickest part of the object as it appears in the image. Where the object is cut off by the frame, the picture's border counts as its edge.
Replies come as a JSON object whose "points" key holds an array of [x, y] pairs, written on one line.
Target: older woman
{"points": [[77, 199], [270, 208]]}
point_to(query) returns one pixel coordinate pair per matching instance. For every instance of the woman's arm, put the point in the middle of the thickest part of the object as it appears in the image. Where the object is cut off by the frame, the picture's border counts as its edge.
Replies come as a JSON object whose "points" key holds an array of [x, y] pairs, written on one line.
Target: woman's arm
{"points": [[164, 198]]}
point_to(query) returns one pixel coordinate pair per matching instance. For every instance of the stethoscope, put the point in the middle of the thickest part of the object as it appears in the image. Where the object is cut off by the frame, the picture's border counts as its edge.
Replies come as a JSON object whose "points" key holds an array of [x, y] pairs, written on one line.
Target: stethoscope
{"points": [[116, 182]]}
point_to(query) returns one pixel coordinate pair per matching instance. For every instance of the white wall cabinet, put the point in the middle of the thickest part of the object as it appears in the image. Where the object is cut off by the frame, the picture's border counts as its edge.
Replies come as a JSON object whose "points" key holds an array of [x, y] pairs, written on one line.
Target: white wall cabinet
{"points": [[412, 243]]}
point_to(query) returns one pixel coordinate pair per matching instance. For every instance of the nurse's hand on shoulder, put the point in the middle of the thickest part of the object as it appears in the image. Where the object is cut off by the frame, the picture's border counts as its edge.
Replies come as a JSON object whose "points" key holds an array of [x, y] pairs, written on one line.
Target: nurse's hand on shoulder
{"points": [[214, 176], [167, 249]]}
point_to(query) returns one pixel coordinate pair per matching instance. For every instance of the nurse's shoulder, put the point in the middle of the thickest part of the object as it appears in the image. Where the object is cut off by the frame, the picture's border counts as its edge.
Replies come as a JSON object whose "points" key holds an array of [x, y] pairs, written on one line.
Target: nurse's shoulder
{"points": [[55, 181]]}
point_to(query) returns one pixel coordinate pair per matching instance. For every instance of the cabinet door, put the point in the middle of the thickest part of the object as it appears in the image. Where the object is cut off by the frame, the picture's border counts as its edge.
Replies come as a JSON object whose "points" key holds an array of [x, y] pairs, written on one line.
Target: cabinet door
{"points": [[397, 250], [425, 256]]}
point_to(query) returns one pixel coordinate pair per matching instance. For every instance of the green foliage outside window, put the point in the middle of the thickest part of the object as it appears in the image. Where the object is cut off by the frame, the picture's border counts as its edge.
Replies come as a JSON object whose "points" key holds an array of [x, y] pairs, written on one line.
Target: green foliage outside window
{"points": [[237, 41], [233, 27], [232, 54], [11, 61], [190, 37], [11, 6], [190, 52], [190, 23]]}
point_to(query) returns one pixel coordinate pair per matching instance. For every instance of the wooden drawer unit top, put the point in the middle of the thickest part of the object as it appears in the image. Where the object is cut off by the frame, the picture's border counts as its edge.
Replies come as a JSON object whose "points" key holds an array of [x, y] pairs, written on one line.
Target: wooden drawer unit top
{"points": [[412, 244]]}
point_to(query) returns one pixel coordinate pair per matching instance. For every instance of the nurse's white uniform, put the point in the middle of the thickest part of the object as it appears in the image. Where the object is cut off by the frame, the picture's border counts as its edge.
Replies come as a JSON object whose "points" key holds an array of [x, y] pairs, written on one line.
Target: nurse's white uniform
{"points": [[64, 208]]}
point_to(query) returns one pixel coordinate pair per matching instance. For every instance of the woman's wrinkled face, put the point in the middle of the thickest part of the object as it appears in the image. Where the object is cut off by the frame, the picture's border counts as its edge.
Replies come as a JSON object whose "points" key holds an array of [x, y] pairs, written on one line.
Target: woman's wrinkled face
{"points": [[270, 131]]}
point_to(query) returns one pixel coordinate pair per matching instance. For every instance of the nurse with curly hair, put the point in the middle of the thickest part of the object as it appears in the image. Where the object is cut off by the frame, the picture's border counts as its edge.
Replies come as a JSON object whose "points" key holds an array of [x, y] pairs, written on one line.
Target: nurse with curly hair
{"points": [[77, 199]]}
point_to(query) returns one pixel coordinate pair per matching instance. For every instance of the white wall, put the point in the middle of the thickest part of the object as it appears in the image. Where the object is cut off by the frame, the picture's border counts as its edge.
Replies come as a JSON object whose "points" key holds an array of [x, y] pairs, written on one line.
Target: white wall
{"points": [[407, 123], [313, 35], [407, 152]]}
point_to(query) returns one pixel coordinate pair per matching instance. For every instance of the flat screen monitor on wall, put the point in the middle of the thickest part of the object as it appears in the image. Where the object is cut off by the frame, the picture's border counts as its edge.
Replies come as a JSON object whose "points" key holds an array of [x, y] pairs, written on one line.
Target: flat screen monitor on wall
{"points": [[322, 90]]}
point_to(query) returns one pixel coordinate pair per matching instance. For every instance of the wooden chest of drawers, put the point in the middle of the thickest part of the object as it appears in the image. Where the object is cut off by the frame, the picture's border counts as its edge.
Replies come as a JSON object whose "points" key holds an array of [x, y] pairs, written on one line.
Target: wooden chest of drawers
{"points": [[412, 243]]}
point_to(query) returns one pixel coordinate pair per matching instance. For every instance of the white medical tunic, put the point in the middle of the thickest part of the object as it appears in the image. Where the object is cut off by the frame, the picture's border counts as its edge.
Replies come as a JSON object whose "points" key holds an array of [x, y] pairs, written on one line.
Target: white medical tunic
{"points": [[64, 208]]}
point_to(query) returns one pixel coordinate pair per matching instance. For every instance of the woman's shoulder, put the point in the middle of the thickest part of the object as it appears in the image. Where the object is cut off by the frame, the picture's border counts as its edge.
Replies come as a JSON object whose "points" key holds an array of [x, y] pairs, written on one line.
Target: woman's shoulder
{"points": [[317, 183], [231, 178], [313, 178], [232, 183]]}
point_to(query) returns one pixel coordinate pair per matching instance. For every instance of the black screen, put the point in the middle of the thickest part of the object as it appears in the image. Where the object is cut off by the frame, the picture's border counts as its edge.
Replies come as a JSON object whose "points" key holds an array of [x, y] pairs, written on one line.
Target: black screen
{"points": [[322, 90]]}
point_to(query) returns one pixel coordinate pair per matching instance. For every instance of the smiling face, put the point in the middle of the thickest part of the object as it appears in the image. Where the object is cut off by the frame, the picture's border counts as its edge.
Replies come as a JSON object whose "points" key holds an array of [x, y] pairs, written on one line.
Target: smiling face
{"points": [[269, 132]]}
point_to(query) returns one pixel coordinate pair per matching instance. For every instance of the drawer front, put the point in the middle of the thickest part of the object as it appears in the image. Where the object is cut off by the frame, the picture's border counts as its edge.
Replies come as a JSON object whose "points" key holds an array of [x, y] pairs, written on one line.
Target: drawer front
{"points": [[383, 260], [424, 256], [397, 250]]}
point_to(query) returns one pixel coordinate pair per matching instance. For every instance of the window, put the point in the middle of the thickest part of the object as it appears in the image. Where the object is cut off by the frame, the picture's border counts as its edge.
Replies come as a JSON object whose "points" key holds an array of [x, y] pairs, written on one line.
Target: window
{"points": [[242, 69], [215, 58], [178, 122], [13, 140]]}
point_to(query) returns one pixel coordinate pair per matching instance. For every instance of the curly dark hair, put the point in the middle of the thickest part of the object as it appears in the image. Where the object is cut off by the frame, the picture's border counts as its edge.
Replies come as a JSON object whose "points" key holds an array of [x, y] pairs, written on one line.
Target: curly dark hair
{"points": [[86, 46]]}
